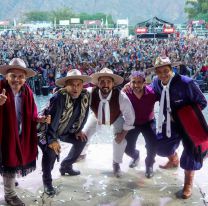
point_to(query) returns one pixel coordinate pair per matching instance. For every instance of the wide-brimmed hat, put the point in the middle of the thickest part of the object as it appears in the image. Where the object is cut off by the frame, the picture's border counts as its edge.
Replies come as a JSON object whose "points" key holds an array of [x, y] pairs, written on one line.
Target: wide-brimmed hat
{"points": [[105, 72], [17, 63], [164, 61], [73, 74]]}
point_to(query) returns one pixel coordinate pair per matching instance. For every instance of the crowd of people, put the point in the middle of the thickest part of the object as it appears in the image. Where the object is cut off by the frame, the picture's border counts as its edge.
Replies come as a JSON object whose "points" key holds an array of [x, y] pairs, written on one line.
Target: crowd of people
{"points": [[51, 58], [106, 64]]}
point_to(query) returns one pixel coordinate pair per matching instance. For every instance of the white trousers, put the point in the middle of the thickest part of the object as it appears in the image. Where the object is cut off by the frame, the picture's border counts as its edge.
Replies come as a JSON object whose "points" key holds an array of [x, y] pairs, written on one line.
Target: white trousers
{"points": [[92, 128]]}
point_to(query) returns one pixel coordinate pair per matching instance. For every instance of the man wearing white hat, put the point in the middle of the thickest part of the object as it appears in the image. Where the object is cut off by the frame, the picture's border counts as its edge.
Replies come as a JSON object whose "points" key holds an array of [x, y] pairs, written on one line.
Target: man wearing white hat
{"points": [[110, 106], [69, 109], [18, 135], [178, 92]]}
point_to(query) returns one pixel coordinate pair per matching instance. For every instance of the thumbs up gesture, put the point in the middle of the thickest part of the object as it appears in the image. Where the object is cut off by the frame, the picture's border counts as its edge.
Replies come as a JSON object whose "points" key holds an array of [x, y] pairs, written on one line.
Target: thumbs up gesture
{"points": [[3, 97]]}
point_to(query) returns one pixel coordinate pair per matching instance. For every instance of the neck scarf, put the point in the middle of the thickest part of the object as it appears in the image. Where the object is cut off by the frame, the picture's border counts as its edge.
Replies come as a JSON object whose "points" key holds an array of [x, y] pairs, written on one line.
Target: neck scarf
{"points": [[68, 112], [19, 152], [165, 93], [104, 105]]}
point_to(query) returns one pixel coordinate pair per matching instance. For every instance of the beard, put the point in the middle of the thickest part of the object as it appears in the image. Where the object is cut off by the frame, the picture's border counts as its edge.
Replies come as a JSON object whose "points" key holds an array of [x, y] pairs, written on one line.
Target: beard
{"points": [[105, 90], [138, 90]]}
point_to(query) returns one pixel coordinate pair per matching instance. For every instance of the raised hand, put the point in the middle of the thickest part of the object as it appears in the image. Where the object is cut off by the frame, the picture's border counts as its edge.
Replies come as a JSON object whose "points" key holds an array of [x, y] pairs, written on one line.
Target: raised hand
{"points": [[3, 97]]}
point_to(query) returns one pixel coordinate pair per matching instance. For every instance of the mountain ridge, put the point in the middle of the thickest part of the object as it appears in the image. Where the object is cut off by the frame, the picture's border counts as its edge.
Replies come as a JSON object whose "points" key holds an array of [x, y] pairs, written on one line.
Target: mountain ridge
{"points": [[135, 10]]}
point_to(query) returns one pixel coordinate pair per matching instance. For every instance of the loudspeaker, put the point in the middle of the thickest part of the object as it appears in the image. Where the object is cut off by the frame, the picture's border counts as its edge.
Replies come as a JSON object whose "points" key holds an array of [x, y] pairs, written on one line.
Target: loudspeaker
{"points": [[37, 88], [45, 90]]}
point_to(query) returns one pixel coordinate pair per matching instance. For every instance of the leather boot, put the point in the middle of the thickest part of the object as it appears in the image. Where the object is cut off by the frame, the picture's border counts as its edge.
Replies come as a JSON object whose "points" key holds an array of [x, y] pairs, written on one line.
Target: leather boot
{"points": [[69, 170], [14, 201], [172, 163], [135, 161], [188, 184], [116, 170], [49, 190], [149, 172]]}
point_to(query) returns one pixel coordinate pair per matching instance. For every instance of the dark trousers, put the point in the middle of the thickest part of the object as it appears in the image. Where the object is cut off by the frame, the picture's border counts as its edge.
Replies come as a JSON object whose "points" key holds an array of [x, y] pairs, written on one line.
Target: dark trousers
{"points": [[148, 130], [190, 158], [167, 146], [49, 157], [0, 158], [48, 160]]}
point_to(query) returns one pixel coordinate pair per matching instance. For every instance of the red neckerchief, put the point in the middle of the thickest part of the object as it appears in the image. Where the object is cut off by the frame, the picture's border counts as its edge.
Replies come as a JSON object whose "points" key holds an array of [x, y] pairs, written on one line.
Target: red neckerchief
{"points": [[18, 152]]}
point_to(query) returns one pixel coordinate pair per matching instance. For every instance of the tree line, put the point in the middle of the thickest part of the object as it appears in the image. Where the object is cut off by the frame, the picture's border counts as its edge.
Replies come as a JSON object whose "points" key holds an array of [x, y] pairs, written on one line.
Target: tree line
{"points": [[65, 14], [195, 9]]}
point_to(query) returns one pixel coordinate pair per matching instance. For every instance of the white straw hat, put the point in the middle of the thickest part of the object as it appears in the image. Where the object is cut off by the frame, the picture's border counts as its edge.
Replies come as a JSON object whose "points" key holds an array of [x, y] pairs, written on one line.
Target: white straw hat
{"points": [[105, 72], [73, 74], [17, 63]]}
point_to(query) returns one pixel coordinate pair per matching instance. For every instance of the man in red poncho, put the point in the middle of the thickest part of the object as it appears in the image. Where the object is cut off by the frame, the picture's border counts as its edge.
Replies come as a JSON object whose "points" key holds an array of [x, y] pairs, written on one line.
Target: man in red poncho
{"points": [[18, 117]]}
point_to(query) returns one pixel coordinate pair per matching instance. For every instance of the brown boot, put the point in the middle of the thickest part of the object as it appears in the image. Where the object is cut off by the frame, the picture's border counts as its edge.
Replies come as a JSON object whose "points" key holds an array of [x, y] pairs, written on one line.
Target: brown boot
{"points": [[188, 184], [14, 201], [172, 163]]}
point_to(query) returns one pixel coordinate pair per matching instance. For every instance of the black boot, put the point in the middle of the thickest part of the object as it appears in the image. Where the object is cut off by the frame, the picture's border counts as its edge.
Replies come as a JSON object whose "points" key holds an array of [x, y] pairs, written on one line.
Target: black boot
{"points": [[49, 190], [149, 172], [16, 183], [69, 171], [135, 161]]}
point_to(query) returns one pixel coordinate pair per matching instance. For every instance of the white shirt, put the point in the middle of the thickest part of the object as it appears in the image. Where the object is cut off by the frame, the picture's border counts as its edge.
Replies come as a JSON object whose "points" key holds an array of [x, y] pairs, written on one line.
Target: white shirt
{"points": [[127, 112], [18, 109]]}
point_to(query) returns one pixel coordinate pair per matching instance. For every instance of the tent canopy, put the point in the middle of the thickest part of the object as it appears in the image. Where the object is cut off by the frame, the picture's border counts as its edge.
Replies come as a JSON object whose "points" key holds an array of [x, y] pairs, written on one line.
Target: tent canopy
{"points": [[153, 22]]}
